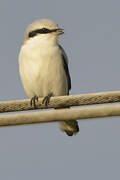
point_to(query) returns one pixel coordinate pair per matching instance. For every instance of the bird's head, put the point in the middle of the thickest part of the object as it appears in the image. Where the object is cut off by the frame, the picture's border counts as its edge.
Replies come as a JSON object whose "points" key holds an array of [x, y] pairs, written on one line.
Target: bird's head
{"points": [[45, 28]]}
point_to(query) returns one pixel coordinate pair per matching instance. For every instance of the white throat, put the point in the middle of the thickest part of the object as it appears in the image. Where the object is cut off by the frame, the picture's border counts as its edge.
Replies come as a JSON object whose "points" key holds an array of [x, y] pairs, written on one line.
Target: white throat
{"points": [[43, 39]]}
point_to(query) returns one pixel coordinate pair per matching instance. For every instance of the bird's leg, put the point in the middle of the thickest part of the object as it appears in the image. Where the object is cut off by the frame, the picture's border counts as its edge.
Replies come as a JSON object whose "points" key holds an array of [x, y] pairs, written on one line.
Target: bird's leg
{"points": [[33, 101], [46, 99]]}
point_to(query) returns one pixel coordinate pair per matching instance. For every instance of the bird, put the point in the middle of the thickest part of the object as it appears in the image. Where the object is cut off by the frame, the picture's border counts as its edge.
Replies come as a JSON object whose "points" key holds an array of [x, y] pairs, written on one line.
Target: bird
{"points": [[43, 66]]}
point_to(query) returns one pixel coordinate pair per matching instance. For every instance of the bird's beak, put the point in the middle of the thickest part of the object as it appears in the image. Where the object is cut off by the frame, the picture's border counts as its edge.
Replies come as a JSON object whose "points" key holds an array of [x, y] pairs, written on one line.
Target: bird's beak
{"points": [[60, 31]]}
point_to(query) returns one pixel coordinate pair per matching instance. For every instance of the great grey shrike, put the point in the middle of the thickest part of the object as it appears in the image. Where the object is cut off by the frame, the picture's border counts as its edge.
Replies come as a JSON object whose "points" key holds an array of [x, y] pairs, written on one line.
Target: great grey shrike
{"points": [[43, 66]]}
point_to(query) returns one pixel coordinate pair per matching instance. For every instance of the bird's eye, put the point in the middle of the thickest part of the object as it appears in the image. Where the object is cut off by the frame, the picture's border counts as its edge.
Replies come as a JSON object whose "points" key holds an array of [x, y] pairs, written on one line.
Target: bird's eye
{"points": [[45, 30]]}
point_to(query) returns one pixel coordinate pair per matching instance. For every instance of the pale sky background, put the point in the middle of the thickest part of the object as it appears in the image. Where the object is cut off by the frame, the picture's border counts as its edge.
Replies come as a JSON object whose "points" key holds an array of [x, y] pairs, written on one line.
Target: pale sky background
{"points": [[92, 42]]}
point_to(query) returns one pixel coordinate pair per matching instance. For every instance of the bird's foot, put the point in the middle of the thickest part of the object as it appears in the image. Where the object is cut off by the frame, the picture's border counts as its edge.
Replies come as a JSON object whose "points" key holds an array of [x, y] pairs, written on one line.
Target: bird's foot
{"points": [[46, 99], [33, 101]]}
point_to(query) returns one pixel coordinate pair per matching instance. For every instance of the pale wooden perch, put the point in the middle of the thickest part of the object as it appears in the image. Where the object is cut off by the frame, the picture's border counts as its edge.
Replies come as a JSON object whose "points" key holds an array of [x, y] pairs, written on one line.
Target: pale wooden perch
{"points": [[60, 115], [62, 101]]}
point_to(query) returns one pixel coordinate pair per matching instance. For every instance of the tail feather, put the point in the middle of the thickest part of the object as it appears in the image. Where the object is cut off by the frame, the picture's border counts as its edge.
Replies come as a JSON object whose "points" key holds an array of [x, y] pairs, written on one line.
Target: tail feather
{"points": [[70, 127]]}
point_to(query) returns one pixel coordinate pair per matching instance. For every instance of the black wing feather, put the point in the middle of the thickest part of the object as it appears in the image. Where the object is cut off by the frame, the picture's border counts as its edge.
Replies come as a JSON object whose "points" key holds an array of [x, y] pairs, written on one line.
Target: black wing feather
{"points": [[65, 65]]}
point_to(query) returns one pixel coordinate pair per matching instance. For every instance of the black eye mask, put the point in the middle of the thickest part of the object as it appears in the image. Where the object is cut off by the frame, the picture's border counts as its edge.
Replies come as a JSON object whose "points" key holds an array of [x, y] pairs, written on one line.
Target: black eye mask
{"points": [[41, 31]]}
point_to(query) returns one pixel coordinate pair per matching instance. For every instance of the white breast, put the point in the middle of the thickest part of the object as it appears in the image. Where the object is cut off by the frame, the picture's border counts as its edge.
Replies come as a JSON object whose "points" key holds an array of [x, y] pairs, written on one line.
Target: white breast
{"points": [[41, 69]]}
